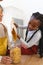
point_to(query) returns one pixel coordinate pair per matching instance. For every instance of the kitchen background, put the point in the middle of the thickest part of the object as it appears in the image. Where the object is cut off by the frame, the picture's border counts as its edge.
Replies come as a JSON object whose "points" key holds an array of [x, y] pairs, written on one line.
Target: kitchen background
{"points": [[21, 11]]}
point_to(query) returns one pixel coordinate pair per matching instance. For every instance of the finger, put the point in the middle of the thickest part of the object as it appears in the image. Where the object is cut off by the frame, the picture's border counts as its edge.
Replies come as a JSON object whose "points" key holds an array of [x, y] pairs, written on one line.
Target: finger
{"points": [[8, 57], [4, 61], [9, 61]]}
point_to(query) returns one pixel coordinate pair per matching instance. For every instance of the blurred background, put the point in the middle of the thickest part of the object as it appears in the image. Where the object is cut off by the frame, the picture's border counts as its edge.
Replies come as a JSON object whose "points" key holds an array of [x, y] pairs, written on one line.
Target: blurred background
{"points": [[20, 10]]}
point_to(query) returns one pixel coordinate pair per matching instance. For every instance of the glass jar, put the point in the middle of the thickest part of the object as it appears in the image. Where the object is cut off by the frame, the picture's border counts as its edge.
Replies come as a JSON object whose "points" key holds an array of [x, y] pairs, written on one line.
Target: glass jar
{"points": [[15, 53]]}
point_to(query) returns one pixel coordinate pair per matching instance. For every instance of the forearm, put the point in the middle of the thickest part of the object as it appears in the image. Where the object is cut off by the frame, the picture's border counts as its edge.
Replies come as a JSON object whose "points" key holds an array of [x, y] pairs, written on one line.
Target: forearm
{"points": [[24, 42], [22, 27], [33, 41]]}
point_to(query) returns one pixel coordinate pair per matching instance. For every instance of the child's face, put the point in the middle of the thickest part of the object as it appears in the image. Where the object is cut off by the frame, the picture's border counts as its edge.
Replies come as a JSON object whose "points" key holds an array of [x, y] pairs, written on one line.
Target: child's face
{"points": [[1, 14], [33, 24]]}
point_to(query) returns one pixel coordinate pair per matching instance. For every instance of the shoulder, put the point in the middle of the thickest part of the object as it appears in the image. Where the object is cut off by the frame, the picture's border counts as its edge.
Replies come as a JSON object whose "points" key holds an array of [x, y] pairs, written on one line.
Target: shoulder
{"points": [[38, 34], [3, 27]]}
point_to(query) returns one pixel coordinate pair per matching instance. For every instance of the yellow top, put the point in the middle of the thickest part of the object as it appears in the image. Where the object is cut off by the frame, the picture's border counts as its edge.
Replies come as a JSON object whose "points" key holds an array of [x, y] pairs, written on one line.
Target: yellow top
{"points": [[14, 35], [3, 39], [3, 46]]}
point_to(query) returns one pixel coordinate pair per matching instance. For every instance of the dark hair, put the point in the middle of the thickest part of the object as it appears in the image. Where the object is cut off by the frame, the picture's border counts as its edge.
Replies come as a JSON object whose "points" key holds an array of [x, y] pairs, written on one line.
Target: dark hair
{"points": [[39, 16], [1, 7]]}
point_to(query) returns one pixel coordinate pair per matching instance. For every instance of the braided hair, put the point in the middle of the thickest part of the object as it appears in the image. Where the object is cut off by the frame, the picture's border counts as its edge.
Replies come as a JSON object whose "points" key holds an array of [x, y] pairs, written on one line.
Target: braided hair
{"points": [[39, 17]]}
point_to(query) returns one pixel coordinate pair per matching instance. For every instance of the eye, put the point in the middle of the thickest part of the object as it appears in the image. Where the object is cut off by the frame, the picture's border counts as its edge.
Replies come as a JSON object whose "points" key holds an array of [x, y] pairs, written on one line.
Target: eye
{"points": [[33, 26]]}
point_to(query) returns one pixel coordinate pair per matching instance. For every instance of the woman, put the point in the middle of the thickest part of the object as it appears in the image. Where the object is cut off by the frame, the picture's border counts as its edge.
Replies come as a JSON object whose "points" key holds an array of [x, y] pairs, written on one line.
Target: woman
{"points": [[3, 41]]}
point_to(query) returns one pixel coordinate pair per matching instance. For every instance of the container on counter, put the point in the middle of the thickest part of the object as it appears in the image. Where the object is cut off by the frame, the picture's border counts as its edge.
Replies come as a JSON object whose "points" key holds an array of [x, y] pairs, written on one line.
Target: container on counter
{"points": [[15, 51], [15, 54]]}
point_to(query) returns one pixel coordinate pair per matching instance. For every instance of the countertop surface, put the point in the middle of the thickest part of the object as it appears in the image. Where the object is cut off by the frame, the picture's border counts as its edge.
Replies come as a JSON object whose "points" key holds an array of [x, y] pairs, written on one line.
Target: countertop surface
{"points": [[29, 60]]}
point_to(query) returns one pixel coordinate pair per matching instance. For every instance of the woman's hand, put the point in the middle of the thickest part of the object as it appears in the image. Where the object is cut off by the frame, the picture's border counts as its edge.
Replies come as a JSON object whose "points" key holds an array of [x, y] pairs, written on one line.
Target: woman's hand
{"points": [[6, 60]]}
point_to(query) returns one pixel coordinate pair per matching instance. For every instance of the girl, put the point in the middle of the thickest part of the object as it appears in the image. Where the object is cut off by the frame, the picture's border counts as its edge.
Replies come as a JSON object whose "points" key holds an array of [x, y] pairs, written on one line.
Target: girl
{"points": [[34, 34]]}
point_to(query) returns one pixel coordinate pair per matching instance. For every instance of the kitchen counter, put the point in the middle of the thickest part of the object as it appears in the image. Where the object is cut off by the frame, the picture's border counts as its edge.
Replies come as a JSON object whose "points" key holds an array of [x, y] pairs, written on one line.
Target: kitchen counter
{"points": [[29, 60]]}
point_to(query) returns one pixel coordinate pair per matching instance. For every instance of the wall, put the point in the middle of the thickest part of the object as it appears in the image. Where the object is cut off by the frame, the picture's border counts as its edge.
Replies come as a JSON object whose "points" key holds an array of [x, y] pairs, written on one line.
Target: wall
{"points": [[27, 6], [9, 13]]}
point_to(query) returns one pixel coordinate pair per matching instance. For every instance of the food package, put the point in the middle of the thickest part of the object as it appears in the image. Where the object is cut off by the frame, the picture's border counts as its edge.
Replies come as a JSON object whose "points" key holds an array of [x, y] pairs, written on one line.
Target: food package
{"points": [[14, 32]]}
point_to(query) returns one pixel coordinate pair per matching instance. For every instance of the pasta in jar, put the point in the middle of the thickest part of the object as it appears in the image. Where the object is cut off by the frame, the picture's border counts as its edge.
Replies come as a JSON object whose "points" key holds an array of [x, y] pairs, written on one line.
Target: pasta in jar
{"points": [[15, 54]]}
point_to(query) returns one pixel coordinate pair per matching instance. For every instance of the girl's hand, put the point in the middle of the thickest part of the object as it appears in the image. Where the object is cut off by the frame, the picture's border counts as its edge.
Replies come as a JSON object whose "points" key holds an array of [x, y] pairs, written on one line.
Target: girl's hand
{"points": [[16, 25], [6, 60], [24, 46], [18, 36]]}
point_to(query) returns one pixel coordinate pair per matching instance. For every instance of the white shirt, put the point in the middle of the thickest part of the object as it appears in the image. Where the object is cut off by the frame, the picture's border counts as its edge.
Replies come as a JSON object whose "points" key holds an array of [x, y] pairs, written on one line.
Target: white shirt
{"points": [[34, 40], [30, 33]]}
